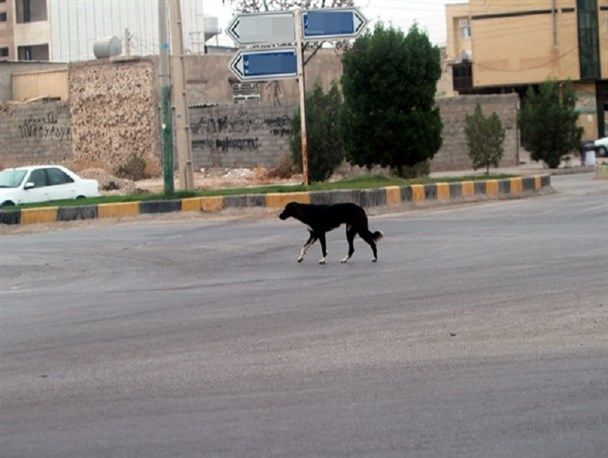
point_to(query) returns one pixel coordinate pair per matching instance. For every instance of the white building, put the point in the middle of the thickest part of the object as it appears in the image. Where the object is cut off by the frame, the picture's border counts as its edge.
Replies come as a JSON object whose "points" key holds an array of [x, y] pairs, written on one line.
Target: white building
{"points": [[65, 30]]}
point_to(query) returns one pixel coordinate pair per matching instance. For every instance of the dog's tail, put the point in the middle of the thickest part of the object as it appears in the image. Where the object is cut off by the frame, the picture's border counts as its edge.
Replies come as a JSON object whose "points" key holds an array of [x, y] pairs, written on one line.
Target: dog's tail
{"points": [[376, 236]]}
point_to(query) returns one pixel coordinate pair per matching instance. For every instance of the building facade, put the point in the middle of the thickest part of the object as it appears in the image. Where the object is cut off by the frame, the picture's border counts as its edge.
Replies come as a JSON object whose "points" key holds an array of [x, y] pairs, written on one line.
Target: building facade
{"points": [[66, 30], [507, 46]]}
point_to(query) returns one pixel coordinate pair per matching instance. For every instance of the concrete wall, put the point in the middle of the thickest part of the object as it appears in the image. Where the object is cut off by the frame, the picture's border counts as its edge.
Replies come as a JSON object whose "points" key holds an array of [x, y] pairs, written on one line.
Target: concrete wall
{"points": [[248, 135], [42, 83], [35, 133], [114, 112], [256, 134], [7, 69], [209, 80], [453, 154]]}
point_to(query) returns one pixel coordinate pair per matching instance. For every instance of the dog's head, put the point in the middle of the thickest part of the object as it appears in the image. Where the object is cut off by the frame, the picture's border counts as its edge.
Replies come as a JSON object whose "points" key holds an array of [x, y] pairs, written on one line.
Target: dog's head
{"points": [[291, 210]]}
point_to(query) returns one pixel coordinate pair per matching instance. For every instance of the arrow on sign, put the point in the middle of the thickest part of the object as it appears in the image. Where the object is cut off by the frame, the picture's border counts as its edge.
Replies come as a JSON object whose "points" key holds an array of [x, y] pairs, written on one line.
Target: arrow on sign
{"points": [[267, 28], [265, 64], [332, 23]]}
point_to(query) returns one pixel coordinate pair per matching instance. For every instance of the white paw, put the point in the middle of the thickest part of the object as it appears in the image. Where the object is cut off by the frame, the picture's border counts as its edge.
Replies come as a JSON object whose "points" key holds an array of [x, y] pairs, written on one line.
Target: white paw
{"points": [[300, 259], [375, 260], [345, 259], [322, 261]]}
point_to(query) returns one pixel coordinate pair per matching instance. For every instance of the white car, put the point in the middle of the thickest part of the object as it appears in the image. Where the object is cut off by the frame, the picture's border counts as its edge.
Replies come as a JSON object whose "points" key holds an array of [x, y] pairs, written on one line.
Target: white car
{"points": [[601, 146], [42, 183]]}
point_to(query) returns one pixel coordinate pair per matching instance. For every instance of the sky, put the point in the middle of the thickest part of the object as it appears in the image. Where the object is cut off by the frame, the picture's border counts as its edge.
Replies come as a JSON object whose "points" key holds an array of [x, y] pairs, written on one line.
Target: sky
{"points": [[429, 14]]}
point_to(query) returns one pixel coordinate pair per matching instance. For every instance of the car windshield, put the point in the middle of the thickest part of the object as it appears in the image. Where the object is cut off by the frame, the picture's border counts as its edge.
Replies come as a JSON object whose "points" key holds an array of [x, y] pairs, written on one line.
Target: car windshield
{"points": [[11, 178]]}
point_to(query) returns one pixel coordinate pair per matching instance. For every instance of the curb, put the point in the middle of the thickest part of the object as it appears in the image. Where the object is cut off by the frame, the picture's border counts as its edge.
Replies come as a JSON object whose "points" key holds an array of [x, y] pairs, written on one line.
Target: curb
{"points": [[392, 196]]}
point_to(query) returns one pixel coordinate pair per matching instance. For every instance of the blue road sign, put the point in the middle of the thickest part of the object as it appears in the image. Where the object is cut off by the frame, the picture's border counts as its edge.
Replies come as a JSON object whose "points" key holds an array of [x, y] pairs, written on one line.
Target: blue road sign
{"points": [[265, 64], [332, 23]]}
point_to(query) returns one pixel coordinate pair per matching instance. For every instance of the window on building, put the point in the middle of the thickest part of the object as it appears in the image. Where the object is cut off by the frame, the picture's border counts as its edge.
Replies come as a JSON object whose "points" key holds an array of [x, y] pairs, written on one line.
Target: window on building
{"points": [[37, 52], [2, 17], [465, 28], [588, 39], [30, 10], [462, 76], [3, 53]]}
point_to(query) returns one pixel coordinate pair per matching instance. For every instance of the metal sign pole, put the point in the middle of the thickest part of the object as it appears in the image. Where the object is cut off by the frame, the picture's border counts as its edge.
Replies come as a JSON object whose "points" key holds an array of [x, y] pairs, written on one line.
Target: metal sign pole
{"points": [[301, 86]]}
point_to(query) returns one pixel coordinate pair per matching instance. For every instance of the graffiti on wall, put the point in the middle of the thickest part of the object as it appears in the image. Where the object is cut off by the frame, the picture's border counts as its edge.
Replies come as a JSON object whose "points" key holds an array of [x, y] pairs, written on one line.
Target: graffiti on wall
{"points": [[44, 128], [238, 131]]}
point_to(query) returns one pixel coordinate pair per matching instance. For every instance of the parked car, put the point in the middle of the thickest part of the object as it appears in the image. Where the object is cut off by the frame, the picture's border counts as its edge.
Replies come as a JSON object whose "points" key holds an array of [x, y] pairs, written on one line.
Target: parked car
{"points": [[42, 183], [601, 146]]}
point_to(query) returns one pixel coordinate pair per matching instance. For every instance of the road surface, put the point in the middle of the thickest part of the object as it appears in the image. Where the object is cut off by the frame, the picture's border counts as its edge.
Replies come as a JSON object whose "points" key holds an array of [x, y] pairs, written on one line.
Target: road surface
{"points": [[481, 332]]}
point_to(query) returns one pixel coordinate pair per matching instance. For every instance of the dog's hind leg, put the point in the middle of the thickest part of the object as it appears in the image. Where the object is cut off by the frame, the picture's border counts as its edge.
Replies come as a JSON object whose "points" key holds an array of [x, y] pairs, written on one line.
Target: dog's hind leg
{"points": [[350, 237], [323, 248], [312, 239], [370, 239]]}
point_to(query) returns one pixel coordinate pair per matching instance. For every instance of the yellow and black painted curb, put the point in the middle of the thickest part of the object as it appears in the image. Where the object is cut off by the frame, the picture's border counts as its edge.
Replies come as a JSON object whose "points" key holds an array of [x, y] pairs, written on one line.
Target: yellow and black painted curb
{"points": [[389, 196]]}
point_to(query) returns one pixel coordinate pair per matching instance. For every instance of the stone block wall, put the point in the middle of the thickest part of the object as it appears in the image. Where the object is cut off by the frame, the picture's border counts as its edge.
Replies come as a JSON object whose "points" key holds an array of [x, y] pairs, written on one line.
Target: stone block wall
{"points": [[244, 135], [453, 154], [113, 105], [34, 133]]}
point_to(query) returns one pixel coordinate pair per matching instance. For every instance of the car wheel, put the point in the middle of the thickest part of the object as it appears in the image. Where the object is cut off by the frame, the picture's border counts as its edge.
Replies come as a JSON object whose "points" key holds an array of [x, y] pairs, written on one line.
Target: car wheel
{"points": [[602, 151], [80, 197], [7, 204]]}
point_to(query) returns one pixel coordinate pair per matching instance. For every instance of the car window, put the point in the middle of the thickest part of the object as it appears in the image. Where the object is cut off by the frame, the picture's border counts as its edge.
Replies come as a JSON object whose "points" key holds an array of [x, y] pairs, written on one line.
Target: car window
{"points": [[38, 177], [57, 176], [11, 178]]}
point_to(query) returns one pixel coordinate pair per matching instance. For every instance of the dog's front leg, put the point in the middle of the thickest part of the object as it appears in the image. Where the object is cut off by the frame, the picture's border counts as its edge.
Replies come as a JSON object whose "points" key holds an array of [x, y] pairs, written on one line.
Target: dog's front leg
{"points": [[323, 248], [312, 239]]}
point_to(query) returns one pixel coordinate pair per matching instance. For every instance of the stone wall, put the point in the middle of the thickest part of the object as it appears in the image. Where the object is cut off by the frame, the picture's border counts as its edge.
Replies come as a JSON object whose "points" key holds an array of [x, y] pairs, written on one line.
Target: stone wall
{"points": [[34, 133], [114, 112], [453, 154], [245, 135]]}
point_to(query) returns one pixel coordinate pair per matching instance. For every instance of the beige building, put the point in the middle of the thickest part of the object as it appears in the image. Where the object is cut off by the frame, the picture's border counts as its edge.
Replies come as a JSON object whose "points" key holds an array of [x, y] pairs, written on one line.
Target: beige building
{"points": [[25, 30], [506, 46]]}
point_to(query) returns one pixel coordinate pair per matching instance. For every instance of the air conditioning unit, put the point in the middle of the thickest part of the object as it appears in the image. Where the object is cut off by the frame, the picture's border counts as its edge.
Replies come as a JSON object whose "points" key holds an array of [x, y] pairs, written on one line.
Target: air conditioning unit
{"points": [[466, 55]]}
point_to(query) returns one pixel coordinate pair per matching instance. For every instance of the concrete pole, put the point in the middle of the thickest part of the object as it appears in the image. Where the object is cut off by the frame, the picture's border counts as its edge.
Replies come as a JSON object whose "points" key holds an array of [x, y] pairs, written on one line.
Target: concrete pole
{"points": [[166, 123], [302, 87], [180, 99]]}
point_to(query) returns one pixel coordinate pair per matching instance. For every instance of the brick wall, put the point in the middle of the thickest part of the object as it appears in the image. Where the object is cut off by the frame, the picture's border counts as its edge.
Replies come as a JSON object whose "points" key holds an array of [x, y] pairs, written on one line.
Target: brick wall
{"points": [[245, 135], [34, 133], [114, 112], [453, 154]]}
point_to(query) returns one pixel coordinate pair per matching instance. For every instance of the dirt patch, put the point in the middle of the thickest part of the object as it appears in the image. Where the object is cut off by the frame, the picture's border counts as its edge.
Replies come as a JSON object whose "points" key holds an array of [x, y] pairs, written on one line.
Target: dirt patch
{"points": [[110, 184], [214, 177]]}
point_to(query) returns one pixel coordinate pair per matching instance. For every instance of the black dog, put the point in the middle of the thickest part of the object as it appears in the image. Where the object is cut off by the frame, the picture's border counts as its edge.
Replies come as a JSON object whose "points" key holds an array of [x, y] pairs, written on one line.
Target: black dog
{"points": [[323, 218]]}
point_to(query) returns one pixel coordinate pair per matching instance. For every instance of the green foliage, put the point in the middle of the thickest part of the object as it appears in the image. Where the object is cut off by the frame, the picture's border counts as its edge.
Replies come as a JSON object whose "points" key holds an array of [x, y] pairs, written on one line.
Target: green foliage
{"points": [[134, 168], [547, 121], [485, 137], [325, 150], [389, 82]]}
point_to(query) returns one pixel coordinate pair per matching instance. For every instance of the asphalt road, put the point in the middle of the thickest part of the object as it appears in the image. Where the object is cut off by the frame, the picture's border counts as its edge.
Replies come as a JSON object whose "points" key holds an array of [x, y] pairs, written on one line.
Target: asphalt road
{"points": [[481, 332]]}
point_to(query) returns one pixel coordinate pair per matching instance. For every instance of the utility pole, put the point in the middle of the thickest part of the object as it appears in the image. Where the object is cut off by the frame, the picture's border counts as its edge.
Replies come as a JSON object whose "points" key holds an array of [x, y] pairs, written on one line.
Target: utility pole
{"points": [[127, 43], [165, 100], [180, 98], [302, 87]]}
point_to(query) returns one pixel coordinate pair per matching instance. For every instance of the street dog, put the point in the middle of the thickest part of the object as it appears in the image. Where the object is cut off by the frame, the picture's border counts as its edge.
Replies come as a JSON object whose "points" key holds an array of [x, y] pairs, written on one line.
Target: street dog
{"points": [[324, 218]]}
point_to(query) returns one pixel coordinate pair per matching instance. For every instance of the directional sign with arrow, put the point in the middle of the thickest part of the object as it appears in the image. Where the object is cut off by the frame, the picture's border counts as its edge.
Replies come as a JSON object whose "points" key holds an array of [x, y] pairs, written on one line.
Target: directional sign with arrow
{"points": [[332, 23], [267, 28], [265, 64]]}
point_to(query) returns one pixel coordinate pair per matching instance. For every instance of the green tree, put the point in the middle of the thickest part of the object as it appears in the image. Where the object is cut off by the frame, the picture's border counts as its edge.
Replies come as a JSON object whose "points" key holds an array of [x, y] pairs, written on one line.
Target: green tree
{"points": [[390, 117], [547, 121], [485, 137], [325, 150]]}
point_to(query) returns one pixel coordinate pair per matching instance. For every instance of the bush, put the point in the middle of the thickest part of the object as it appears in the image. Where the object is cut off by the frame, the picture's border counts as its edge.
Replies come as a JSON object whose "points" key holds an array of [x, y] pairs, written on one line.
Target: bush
{"points": [[325, 150], [485, 137], [547, 121], [135, 168]]}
